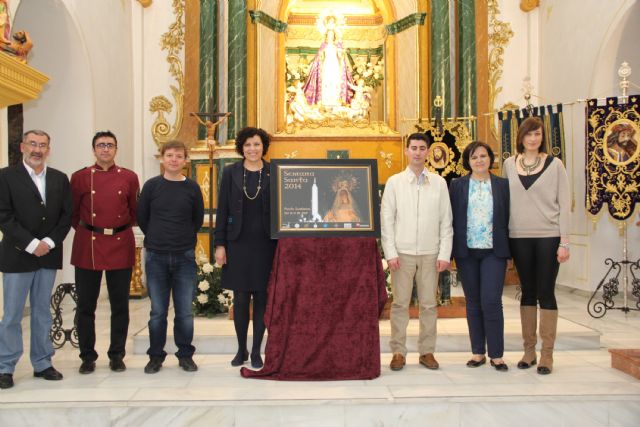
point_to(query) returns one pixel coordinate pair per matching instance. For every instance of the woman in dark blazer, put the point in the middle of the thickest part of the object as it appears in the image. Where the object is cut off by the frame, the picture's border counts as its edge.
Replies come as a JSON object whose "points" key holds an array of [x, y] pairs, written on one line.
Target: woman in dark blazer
{"points": [[480, 206], [244, 248]]}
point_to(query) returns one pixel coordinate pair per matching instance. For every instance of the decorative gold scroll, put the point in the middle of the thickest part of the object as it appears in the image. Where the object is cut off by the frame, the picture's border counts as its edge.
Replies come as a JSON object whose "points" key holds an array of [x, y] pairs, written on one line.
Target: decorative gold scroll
{"points": [[173, 42]]}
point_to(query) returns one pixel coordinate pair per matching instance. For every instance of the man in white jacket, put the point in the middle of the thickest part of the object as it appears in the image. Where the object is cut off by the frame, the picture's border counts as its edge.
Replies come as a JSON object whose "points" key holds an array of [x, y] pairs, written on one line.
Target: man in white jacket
{"points": [[416, 239]]}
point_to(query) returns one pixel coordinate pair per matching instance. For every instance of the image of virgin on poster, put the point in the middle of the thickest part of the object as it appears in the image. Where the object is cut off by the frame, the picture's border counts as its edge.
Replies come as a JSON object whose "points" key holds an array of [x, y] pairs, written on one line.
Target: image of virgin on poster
{"points": [[324, 198]]}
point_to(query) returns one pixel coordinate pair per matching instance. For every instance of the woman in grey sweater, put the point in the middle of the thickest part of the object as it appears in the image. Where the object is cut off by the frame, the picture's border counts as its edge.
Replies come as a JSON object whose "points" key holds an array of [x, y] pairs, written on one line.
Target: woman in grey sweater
{"points": [[538, 236]]}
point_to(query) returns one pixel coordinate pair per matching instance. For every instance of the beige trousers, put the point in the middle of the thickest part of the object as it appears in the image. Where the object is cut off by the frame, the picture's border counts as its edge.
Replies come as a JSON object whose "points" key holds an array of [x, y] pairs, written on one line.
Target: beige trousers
{"points": [[423, 268]]}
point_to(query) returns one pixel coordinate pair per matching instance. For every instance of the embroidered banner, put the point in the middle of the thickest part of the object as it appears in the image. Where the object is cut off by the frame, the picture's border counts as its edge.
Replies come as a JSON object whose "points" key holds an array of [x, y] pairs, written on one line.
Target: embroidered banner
{"points": [[553, 120], [268, 21], [445, 152], [612, 159]]}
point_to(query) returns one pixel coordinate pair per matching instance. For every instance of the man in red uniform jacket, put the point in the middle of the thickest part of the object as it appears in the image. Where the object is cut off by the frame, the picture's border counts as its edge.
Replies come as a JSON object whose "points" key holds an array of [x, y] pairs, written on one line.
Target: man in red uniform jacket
{"points": [[104, 210]]}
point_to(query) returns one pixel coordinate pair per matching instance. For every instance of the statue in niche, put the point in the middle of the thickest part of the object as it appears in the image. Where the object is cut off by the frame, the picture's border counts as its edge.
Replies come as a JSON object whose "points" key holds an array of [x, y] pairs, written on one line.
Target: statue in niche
{"points": [[361, 100], [5, 25], [20, 44], [299, 109], [329, 75]]}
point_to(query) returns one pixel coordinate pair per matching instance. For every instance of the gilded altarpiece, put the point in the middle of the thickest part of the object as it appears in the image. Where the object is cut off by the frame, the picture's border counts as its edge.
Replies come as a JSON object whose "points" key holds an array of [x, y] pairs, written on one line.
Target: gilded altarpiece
{"points": [[385, 68]]}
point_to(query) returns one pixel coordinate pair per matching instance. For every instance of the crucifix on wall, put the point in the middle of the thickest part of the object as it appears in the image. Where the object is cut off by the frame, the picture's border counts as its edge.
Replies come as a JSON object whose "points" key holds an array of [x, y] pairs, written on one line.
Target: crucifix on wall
{"points": [[206, 120]]}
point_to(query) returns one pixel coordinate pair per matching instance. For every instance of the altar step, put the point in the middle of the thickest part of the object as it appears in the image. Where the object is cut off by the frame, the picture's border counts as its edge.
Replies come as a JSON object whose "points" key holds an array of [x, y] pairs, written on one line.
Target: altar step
{"points": [[217, 336], [582, 391]]}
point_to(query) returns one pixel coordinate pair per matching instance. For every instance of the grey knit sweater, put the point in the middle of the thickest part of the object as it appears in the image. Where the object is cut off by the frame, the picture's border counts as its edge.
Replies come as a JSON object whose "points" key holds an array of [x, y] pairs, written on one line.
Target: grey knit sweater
{"points": [[544, 209]]}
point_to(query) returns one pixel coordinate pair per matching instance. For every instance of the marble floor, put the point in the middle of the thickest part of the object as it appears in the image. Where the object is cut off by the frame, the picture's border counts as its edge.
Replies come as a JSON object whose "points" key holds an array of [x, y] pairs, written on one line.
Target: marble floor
{"points": [[583, 389]]}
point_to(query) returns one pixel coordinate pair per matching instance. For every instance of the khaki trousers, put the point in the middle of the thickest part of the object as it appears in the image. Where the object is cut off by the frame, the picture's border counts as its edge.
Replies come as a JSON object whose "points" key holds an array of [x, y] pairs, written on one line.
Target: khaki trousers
{"points": [[423, 268]]}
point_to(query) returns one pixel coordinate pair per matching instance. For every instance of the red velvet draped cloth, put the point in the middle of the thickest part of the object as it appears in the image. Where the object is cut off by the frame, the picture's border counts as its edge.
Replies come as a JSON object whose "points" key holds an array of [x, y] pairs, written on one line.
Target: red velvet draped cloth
{"points": [[324, 299]]}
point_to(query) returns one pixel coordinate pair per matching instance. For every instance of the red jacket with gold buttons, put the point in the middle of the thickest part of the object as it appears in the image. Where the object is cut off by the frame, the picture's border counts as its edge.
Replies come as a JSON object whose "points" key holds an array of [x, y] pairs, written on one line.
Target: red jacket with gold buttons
{"points": [[105, 199]]}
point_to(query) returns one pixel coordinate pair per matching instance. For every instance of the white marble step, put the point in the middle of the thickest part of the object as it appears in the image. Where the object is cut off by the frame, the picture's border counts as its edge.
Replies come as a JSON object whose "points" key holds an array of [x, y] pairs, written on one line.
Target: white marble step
{"points": [[217, 336]]}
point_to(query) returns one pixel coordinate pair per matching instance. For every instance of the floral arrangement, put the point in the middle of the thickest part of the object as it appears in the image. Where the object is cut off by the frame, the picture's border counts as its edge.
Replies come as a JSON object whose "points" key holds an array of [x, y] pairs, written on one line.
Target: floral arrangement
{"points": [[210, 298], [387, 276], [369, 70], [297, 71]]}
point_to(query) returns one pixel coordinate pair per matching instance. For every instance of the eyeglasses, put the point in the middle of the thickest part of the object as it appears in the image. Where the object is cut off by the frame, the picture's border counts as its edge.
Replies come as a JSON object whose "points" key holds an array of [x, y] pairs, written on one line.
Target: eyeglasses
{"points": [[40, 145], [103, 146]]}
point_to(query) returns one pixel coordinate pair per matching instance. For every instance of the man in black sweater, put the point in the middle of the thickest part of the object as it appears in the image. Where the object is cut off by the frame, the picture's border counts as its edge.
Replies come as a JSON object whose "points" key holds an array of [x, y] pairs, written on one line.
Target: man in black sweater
{"points": [[170, 213]]}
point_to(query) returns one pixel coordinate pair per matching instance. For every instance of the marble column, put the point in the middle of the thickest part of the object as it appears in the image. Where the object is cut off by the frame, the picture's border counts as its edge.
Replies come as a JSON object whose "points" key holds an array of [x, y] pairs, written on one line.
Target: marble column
{"points": [[237, 66], [208, 59], [467, 102], [440, 56]]}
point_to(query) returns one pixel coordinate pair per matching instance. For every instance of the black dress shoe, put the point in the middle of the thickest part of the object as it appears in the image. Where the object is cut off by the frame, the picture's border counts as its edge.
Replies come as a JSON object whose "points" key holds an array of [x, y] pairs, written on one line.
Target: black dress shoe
{"points": [[543, 370], [117, 365], [6, 381], [49, 374], [256, 361], [87, 367], [524, 365], [187, 364], [153, 366], [475, 363], [502, 367], [240, 358]]}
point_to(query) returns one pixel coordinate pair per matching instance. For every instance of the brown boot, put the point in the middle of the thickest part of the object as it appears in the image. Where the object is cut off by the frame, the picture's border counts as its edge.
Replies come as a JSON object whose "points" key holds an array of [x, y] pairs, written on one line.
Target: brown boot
{"points": [[548, 328], [397, 362], [529, 321]]}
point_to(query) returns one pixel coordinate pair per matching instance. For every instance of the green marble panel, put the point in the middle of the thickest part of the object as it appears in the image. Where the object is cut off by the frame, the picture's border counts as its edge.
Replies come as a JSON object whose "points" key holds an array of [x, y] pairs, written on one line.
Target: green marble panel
{"points": [[237, 66], [208, 59], [467, 101], [440, 55], [337, 154]]}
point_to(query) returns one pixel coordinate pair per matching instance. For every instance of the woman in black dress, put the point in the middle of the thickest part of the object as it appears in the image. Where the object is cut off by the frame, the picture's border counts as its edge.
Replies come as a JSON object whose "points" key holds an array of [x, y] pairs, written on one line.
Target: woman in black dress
{"points": [[244, 248]]}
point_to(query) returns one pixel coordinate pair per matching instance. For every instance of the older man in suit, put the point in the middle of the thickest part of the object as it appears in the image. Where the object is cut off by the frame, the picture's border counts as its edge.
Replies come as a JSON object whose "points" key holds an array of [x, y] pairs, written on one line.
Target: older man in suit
{"points": [[35, 217]]}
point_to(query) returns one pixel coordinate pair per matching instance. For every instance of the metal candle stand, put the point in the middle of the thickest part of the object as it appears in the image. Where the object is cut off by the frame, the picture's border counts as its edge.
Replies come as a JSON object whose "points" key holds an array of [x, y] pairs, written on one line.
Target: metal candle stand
{"points": [[610, 284], [58, 335]]}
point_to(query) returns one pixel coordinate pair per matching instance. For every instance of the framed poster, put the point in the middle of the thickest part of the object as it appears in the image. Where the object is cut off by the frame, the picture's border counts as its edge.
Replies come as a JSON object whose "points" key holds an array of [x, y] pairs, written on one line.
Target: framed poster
{"points": [[324, 198]]}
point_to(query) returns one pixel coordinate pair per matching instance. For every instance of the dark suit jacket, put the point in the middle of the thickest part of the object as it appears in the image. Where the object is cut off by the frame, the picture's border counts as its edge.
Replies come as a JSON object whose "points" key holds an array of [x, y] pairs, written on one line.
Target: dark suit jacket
{"points": [[230, 198], [459, 194], [24, 216]]}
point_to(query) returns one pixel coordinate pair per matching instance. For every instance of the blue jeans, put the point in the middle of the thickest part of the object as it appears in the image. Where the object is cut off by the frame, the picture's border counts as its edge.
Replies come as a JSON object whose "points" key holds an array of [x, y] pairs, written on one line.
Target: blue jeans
{"points": [[171, 273], [38, 284], [482, 275]]}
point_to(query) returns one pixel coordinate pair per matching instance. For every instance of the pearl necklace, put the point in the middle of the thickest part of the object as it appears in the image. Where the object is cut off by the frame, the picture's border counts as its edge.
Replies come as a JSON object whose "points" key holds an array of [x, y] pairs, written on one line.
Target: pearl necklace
{"points": [[244, 183], [529, 168]]}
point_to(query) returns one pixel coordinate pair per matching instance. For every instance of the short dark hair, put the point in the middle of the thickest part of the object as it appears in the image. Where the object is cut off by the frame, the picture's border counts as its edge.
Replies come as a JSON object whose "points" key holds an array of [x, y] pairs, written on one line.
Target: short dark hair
{"points": [[530, 124], [102, 134], [174, 144], [471, 148], [419, 137], [248, 132], [36, 132]]}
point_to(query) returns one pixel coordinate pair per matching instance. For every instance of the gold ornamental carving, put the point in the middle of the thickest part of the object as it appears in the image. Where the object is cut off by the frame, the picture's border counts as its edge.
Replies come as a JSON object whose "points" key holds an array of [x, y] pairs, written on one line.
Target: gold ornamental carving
{"points": [[499, 35], [136, 287], [172, 41], [19, 82], [145, 3], [529, 5], [387, 158]]}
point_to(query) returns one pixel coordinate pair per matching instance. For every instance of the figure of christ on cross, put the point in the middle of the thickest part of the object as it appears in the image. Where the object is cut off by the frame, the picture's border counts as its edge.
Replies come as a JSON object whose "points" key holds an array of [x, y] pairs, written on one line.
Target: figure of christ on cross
{"points": [[211, 144]]}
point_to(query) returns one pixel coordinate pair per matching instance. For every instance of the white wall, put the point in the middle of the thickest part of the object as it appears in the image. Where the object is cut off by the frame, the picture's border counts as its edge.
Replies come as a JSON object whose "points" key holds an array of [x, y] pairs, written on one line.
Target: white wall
{"points": [[575, 47], [88, 59]]}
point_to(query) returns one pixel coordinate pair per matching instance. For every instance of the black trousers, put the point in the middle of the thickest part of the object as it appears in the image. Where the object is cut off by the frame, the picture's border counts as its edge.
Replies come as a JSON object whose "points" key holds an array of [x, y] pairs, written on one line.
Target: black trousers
{"points": [[537, 264], [88, 289]]}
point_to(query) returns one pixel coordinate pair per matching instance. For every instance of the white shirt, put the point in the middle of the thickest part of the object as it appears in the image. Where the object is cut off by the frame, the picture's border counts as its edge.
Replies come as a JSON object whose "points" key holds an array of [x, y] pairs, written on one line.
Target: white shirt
{"points": [[416, 215], [40, 180]]}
